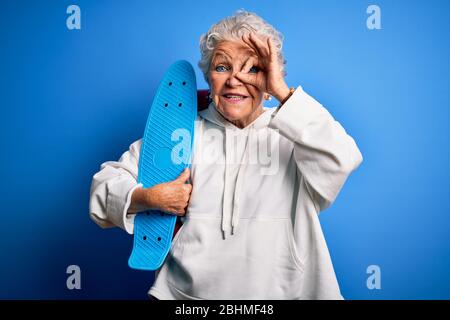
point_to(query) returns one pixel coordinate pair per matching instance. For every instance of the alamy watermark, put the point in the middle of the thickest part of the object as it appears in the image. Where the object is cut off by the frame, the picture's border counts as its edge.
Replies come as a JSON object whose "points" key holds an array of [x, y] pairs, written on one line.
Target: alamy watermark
{"points": [[373, 22], [74, 279], [73, 22], [262, 147], [374, 279]]}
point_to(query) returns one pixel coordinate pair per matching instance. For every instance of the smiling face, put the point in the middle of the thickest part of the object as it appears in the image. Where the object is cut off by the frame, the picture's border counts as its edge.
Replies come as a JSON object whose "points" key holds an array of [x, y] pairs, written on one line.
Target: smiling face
{"points": [[238, 102]]}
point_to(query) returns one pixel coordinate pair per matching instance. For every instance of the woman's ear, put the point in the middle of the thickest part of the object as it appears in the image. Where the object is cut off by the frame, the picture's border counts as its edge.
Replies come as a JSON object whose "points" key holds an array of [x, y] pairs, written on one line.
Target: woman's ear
{"points": [[209, 96]]}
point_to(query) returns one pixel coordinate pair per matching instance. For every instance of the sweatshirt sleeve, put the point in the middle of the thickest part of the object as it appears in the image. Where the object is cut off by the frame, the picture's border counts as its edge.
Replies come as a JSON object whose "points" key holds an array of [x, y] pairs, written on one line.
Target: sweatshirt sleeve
{"points": [[324, 153], [111, 191]]}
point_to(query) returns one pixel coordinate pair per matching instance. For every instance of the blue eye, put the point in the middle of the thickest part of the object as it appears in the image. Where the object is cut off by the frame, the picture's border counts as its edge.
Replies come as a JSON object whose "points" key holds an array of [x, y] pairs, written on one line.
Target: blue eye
{"points": [[253, 70], [221, 68]]}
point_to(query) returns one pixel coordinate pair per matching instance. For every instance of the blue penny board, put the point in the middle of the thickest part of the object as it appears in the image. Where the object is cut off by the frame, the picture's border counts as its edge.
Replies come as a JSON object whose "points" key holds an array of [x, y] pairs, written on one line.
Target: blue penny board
{"points": [[170, 126]]}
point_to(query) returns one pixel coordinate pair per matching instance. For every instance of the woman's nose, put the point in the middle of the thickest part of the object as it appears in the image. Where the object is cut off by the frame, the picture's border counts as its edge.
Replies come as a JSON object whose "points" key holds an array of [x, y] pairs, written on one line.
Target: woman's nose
{"points": [[232, 81]]}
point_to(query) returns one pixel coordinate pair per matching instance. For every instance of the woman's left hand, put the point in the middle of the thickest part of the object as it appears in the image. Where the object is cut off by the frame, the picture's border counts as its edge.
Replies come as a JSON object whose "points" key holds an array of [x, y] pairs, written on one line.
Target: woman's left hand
{"points": [[270, 77]]}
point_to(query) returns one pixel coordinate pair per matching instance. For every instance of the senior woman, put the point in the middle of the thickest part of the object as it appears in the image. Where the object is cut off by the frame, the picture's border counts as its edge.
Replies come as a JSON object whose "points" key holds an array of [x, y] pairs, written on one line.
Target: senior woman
{"points": [[260, 176]]}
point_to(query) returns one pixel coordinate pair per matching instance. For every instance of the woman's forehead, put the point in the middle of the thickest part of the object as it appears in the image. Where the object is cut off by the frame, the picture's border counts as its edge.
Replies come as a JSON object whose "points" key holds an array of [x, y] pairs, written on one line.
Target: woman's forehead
{"points": [[231, 50]]}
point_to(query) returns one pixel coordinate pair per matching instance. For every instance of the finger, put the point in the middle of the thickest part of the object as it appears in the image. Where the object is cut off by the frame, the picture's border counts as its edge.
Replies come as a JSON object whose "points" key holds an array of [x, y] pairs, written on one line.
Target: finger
{"points": [[260, 45], [247, 78], [250, 43], [273, 51], [183, 210], [248, 65], [184, 176], [180, 213], [187, 188], [246, 40]]}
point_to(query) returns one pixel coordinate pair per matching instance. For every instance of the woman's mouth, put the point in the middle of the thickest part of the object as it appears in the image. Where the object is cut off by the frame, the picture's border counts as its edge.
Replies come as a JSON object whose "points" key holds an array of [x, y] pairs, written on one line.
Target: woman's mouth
{"points": [[234, 98]]}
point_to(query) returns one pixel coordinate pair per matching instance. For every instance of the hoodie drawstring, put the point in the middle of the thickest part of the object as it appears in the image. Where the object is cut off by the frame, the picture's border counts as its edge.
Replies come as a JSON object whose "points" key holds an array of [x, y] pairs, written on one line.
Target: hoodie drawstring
{"points": [[225, 208], [237, 191], [233, 211]]}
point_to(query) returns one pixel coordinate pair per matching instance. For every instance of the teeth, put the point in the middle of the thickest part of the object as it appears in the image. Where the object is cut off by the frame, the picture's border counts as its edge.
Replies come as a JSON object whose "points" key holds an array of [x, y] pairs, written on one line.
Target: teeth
{"points": [[234, 97]]}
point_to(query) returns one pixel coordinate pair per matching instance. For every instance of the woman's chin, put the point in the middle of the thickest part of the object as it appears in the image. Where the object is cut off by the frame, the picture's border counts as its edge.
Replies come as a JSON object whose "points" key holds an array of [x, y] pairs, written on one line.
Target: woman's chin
{"points": [[235, 112]]}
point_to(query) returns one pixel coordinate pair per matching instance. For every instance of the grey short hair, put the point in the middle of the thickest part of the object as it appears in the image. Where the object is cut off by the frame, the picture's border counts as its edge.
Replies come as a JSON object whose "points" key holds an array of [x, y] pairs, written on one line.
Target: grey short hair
{"points": [[233, 28]]}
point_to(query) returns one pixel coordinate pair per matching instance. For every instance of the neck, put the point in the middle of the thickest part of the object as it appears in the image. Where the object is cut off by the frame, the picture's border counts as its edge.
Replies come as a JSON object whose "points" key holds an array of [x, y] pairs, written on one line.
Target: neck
{"points": [[242, 123]]}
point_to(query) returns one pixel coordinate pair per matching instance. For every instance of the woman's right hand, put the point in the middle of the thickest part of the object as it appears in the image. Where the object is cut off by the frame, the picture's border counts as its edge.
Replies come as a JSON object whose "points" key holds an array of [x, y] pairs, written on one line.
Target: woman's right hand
{"points": [[172, 197]]}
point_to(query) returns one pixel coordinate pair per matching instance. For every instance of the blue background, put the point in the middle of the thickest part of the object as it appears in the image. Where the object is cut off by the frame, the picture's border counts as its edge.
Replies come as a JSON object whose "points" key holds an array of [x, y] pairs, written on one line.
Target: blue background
{"points": [[70, 100]]}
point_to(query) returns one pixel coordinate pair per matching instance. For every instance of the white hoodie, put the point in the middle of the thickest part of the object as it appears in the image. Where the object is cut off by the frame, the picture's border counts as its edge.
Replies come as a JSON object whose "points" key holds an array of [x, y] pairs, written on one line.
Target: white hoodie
{"points": [[251, 230]]}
